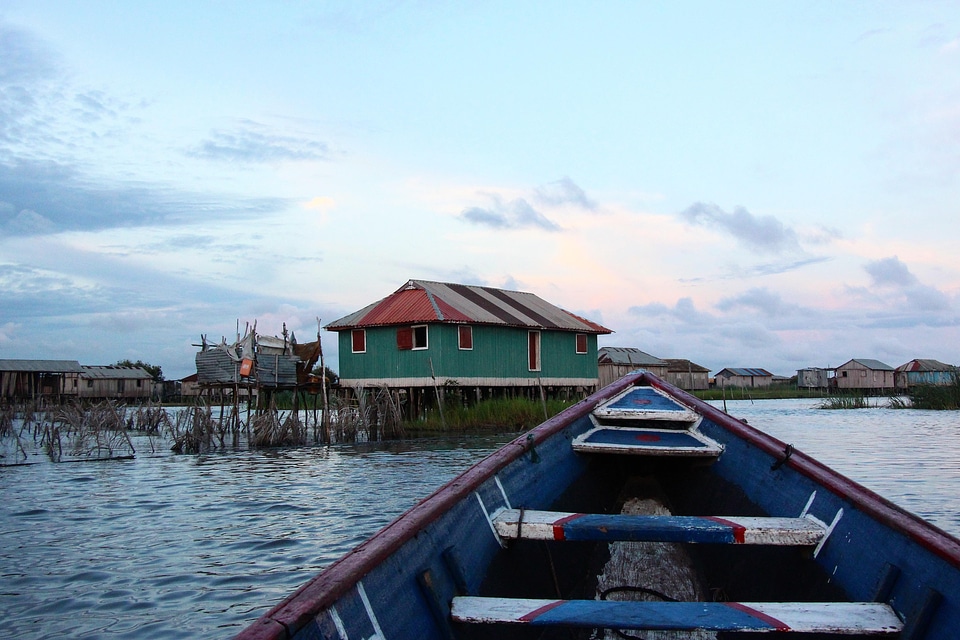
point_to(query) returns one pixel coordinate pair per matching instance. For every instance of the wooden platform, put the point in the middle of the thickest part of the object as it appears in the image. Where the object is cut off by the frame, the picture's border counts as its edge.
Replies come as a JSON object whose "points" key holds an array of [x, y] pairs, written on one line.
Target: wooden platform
{"points": [[863, 618], [552, 525]]}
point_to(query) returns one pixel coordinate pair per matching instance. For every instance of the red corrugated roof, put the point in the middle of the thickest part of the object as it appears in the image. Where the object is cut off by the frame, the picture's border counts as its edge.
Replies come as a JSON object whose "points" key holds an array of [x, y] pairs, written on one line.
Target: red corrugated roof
{"points": [[599, 328], [411, 305], [421, 301]]}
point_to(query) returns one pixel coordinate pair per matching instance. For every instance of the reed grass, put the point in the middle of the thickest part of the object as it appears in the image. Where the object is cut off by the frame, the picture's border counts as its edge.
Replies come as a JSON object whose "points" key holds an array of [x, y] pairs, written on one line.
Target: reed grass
{"points": [[936, 397], [507, 414], [845, 402]]}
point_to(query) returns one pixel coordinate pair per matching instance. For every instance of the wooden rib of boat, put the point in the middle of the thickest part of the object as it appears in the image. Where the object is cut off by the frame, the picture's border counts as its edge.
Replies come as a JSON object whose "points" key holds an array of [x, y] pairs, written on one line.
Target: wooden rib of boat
{"points": [[640, 510]]}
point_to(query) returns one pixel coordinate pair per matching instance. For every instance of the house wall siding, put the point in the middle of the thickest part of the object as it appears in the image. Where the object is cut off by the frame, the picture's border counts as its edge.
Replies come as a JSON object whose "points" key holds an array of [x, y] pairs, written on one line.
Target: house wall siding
{"points": [[498, 354]]}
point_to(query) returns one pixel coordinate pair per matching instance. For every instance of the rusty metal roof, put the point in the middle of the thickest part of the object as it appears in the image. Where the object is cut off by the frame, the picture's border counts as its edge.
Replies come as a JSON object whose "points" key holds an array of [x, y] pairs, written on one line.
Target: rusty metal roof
{"points": [[40, 366], [925, 364], [679, 365], [746, 372], [868, 363], [628, 356], [425, 301], [114, 372]]}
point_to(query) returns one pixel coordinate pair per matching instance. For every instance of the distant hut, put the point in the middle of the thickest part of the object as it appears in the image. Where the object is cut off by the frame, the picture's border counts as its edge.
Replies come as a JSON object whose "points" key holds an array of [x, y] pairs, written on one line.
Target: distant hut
{"points": [[814, 378], [31, 379], [744, 377], [687, 375], [864, 374], [924, 372], [113, 382], [252, 363], [189, 386], [615, 362]]}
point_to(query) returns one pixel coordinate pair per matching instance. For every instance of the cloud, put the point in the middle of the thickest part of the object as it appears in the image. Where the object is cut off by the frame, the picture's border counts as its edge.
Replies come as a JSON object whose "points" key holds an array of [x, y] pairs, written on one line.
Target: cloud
{"points": [[29, 222], [516, 214], [890, 272], [762, 233], [8, 331], [894, 283], [563, 192], [762, 300], [737, 271], [56, 197], [251, 142], [25, 57], [684, 312]]}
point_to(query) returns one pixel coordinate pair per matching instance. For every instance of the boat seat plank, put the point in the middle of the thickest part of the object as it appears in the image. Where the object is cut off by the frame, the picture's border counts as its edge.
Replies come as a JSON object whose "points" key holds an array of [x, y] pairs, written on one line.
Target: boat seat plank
{"points": [[864, 618], [552, 525], [655, 442], [644, 403]]}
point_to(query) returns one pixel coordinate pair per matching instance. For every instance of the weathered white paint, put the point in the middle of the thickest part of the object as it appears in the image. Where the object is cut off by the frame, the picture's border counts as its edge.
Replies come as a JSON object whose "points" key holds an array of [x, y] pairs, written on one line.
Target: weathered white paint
{"points": [[540, 525], [710, 448], [800, 617]]}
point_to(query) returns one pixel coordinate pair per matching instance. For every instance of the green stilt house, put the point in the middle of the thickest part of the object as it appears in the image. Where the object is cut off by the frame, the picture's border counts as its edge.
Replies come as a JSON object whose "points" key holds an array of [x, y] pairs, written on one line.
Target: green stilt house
{"points": [[429, 334]]}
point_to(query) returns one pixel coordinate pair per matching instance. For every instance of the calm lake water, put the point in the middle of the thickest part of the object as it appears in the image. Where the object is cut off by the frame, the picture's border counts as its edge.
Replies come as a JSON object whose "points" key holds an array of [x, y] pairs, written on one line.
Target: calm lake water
{"points": [[167, 546]]}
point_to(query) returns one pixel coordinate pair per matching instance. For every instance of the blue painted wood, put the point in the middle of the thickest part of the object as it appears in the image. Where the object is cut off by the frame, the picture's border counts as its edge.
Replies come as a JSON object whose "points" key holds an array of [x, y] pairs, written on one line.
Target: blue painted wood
{"points": [[869, 618], [665, 616], [648, 529], [660, 439], [644, 399]]}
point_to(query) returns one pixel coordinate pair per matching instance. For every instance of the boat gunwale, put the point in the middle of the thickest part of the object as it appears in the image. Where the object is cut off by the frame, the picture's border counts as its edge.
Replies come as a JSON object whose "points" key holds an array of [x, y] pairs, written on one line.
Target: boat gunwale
{"points": [[297, 610], [927, 535]]}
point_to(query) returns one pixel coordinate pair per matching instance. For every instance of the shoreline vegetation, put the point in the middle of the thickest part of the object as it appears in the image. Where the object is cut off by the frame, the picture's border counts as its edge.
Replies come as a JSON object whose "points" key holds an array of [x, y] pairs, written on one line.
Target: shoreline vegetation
{"points": [[99, 431]]}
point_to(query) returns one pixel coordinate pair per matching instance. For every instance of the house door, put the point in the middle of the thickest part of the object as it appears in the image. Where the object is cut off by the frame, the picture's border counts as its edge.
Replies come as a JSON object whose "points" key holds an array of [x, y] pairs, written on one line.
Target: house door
{"points": [[533, 350]]}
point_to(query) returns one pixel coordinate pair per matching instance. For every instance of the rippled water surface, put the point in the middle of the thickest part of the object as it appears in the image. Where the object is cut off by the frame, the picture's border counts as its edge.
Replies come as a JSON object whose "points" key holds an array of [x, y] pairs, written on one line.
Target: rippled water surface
{"points": [[908, 456], [183, 546], [167, 546]]}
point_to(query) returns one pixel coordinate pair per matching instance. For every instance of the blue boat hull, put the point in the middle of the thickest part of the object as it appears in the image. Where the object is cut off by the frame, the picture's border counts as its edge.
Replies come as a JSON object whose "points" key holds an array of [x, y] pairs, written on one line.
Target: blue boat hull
{"points": [[401, 582]]}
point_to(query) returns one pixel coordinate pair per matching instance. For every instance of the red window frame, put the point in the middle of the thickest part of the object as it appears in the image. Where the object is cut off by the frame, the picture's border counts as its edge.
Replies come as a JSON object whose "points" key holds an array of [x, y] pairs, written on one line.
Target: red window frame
{"points": [[358, 340], [581, 343], [465, 337], [533, 350]]}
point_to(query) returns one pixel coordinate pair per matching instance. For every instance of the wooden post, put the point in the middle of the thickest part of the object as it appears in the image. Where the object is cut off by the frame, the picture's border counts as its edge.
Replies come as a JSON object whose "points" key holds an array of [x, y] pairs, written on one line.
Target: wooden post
{"points": [[436, 388], [543, 398], [325, 415]]}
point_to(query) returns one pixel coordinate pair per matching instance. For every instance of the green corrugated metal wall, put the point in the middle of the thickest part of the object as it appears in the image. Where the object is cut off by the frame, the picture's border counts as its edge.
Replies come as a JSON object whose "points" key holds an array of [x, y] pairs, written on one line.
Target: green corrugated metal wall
{"points": [[497, 352]]}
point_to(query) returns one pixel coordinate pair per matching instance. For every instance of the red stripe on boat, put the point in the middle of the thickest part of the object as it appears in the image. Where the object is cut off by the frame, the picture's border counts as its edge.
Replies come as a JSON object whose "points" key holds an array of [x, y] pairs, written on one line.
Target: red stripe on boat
{"points": [[778, 625], [648, 437], [558, 525], [738, 529], [536, 613]]}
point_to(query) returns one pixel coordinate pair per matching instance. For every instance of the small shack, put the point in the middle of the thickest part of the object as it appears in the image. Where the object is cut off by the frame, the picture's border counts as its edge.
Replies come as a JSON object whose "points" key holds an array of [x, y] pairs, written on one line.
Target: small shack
{"points": [[814, 378], [112, 382], [866, 375], [687, 375], [924, 371], [744, 377], [32, 379], [615, 362], [253, 364]]}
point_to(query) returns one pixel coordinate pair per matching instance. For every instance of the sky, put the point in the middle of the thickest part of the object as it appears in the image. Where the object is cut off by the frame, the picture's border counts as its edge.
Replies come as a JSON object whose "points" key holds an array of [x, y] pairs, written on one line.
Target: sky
{"points": [[742, 184]]}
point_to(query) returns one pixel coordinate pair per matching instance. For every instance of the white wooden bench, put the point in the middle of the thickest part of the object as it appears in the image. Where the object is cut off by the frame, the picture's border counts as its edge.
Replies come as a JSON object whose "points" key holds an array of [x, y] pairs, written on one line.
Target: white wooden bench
{"points": [[553, 525], [863, 618], [650, 442]]}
